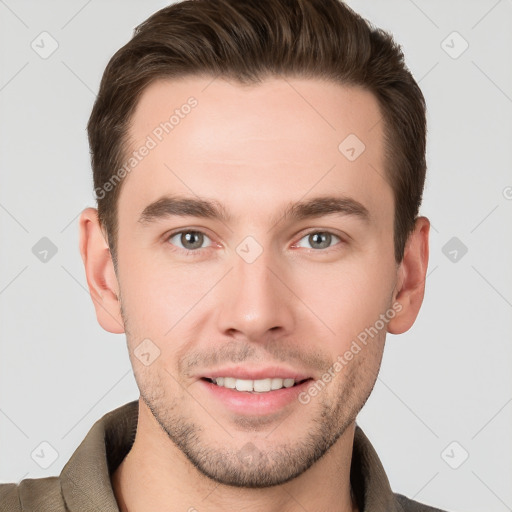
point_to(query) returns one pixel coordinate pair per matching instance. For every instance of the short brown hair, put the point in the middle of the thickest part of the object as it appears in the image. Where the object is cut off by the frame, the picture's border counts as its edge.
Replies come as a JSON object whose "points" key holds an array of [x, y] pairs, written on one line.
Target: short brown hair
{"points": [[247, 41]]}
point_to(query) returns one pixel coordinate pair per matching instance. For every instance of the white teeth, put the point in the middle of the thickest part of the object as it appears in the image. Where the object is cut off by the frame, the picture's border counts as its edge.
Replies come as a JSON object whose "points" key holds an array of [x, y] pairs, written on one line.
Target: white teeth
{"points": [[276, 384], [229, 382], [260, 385], [288, 383], [244, 385]]}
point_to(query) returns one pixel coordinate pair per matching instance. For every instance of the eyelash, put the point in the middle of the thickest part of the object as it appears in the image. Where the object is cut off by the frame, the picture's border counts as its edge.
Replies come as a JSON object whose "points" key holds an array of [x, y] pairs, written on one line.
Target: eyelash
{"points": [[198, 252]]}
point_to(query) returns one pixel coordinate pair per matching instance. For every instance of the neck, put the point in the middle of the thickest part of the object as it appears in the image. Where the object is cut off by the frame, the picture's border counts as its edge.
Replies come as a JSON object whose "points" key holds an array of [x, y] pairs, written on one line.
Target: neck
{"points": [[156, 475]]}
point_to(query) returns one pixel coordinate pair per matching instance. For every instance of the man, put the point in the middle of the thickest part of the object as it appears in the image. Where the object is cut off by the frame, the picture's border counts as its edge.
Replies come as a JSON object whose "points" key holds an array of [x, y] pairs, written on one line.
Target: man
{"points": [[259, 168]]}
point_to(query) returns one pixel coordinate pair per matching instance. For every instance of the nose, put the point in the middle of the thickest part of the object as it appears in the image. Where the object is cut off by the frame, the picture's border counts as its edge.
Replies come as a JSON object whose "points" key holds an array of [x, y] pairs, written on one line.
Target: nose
{"points": [[257, 299]]}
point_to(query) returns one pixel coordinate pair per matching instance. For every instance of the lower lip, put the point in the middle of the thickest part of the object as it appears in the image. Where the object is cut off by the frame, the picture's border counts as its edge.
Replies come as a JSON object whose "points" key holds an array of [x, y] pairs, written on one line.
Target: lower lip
{"points": [[244, 402]]}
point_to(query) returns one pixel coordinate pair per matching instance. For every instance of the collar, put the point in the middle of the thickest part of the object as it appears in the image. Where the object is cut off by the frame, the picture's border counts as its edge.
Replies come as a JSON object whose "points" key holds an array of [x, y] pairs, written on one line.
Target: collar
{"points": [[86, 485]]}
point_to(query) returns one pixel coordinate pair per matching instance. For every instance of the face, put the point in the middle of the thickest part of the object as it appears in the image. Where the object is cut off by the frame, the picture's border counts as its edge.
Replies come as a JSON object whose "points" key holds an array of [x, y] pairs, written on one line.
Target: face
{"points": [[255, 252]]}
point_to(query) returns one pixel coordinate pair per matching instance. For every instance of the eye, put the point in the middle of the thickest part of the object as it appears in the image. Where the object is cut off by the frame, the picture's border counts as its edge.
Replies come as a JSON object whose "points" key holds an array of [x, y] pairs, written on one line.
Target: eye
{"points": [[319, 239], [190, 240]]}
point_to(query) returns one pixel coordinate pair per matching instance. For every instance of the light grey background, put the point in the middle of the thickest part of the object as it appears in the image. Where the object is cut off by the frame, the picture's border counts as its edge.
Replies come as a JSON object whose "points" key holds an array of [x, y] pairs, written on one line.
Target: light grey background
{"points": [[446, 380]]}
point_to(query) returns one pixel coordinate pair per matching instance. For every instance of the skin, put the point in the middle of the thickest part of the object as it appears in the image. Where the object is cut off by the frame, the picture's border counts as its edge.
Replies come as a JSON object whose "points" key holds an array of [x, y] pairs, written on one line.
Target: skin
{"points": [[299, 305]]}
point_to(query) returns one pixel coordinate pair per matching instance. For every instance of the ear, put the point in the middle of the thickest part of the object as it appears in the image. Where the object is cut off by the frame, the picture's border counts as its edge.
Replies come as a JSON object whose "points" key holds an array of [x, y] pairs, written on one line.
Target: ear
{"points": [[410, 287], [99, 269]]}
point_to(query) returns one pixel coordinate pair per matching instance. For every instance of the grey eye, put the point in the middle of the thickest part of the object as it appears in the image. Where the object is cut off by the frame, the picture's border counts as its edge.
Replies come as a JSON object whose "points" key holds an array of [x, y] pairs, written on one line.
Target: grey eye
{"points": [[189, 240], [319, 239]]}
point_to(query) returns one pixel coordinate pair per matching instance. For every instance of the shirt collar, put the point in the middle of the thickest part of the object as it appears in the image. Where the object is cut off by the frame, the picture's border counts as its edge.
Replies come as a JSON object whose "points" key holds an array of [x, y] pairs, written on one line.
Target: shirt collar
{"points": [[86, 485]]}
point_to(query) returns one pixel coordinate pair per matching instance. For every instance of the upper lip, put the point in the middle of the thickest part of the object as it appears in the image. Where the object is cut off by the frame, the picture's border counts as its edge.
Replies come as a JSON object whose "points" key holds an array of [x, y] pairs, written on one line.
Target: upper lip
{"points": [[246, 373]]}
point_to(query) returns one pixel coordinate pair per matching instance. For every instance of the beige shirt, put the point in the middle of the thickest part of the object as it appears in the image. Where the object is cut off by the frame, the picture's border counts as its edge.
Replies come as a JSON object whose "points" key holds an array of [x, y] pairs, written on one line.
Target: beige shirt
{"points": [[84, 483]]}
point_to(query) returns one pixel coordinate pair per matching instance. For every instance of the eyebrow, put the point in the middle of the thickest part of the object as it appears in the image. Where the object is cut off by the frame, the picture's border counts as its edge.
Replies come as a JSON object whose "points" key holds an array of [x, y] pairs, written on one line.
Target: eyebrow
{"points": [[169, 206]]}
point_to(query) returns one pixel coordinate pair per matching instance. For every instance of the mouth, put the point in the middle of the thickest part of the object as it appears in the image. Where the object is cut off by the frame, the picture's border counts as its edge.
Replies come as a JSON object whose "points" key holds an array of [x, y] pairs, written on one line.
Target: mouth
{"points": [[255, 386], [269, 392]]}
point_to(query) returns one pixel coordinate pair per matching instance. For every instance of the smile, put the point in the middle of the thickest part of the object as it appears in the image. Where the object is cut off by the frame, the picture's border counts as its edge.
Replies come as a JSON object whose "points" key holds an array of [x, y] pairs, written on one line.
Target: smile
{"points": [[257, 386]]}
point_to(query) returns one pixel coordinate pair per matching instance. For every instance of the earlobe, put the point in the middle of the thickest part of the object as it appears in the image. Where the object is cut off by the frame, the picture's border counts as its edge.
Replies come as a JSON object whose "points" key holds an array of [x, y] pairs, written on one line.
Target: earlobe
{"points": [[410, 287], [99, 270]]}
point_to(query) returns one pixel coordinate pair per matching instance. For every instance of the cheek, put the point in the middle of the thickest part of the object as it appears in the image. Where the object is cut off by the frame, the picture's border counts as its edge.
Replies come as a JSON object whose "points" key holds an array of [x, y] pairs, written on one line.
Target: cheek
{"points": [[348, 299], [162, 303], [158, 294]]}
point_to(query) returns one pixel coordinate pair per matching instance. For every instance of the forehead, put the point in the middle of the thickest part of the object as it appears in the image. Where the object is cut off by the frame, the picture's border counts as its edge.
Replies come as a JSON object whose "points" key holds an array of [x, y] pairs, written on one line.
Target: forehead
{"points": [[280, 139]]}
